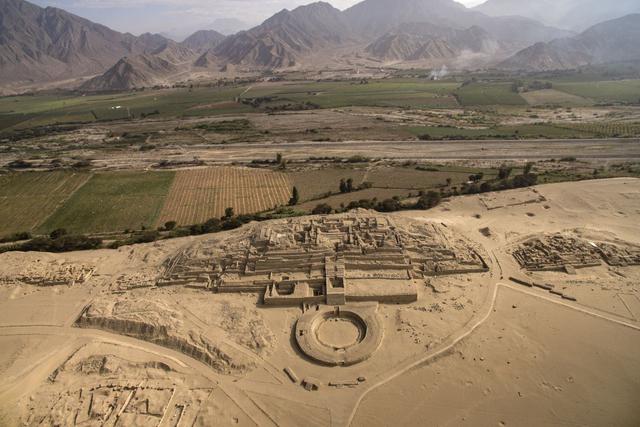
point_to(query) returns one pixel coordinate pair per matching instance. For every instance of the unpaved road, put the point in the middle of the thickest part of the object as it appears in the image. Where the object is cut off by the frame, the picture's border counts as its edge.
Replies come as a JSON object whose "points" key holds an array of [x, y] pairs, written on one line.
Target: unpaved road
{"points": [[486, 150], [494, 150], [453, 150]]}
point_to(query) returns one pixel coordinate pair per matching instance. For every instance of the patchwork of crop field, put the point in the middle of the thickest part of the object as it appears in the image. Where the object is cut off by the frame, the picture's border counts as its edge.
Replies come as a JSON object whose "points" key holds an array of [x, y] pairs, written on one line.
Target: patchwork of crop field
{"points": [[398, 93], [19, 112], [30, 111], [201, 194], [24, 112], [113, 202], [26, 199]]}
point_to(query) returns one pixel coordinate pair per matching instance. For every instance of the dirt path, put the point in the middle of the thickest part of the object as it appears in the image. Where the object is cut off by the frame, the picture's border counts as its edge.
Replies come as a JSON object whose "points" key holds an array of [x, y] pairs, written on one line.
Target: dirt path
{"points": [[473, 327], [605, 149], [245, 91]]}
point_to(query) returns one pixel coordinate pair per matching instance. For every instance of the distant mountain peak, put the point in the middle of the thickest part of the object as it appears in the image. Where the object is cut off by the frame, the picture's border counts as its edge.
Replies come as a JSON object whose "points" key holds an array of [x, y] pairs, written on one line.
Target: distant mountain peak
{"points": [[282, 39], [43, 44], [203, 40], [132, 72], [570, 14], [610, 41], [425, 41]]}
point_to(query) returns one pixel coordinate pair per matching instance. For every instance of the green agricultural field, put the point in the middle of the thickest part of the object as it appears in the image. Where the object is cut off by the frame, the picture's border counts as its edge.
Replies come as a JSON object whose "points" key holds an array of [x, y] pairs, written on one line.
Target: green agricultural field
{"points": [[604, 91], [113, 202], [8, 120], [392, 93], [554, 97], [47, 109], [27, 199], [38, 110], [488, 94], [606, 129], [33, 104]]}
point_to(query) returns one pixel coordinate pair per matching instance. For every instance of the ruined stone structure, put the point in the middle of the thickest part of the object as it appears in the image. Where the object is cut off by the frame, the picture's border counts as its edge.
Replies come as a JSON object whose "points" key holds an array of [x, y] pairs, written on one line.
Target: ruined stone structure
{"points": [[555, 252], [52, 274], [343, 335], [619, 256], [332, 260], [562, 252]]}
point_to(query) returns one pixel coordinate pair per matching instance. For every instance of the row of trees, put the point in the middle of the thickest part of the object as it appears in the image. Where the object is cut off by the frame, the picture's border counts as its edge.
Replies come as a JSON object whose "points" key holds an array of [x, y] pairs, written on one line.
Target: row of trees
{"points": [[63, 243], [426, 200], [346, 186]]}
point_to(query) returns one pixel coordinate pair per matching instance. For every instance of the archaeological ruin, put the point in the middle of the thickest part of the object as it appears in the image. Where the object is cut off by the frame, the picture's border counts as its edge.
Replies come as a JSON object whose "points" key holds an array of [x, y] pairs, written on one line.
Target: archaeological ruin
{"points": [[51, 274], [340, 335], [336, 268], [329, 260], [561, 252]]}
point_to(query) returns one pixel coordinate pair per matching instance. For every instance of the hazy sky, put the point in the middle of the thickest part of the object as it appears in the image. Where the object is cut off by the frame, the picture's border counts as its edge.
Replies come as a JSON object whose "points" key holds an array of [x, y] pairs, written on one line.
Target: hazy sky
{"points": [[178, 17]]}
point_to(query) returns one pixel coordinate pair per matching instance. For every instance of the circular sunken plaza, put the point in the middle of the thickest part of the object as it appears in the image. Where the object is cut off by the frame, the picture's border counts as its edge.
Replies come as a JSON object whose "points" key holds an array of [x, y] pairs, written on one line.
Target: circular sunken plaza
{"points": [[343, 335]]}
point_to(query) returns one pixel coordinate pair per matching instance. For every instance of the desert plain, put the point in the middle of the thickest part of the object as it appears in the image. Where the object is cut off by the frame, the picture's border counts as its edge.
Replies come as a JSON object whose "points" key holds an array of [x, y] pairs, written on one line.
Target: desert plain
{"points": [[519, 307]]}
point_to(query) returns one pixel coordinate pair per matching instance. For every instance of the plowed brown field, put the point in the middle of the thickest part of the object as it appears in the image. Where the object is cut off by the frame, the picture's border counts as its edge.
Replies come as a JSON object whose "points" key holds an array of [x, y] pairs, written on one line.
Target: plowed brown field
{"points": [[201, 194]]}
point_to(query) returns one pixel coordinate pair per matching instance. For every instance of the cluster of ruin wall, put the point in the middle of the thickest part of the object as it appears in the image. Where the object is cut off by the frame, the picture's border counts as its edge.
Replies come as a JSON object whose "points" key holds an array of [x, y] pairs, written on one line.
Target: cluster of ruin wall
{"points": [[555, 253]]}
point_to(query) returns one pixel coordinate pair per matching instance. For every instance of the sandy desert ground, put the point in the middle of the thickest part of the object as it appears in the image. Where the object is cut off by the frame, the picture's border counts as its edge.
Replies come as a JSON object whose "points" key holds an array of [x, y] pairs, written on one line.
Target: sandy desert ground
{"points": [[96, 338]]}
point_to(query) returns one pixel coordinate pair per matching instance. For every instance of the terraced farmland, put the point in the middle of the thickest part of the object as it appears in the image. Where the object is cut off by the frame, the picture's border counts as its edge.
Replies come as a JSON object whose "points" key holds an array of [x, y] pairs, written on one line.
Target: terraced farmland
{"points": [[26, 199], [201, 194]]}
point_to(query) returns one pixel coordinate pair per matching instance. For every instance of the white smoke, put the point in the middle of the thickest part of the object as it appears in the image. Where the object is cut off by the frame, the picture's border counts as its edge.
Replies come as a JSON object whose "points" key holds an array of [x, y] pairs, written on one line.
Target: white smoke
{"points": [[439, 74]]}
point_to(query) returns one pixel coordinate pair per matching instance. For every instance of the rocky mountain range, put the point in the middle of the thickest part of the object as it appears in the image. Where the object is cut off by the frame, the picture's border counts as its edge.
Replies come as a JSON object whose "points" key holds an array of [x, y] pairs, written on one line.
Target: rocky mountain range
{"points": [[282, 39], [608, 42], [41, 44], [417, 41], [48, 44], [569, 14], [376, 17], [203, 40], [132, 72]]}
